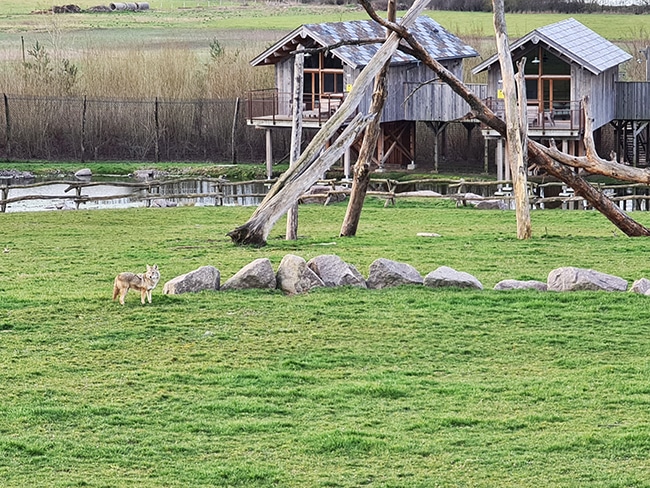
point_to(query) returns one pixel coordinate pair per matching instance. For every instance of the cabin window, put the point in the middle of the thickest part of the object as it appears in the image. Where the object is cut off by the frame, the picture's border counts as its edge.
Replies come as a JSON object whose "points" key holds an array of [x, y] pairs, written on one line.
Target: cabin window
{"points": [[323, 79], [548, 81]]}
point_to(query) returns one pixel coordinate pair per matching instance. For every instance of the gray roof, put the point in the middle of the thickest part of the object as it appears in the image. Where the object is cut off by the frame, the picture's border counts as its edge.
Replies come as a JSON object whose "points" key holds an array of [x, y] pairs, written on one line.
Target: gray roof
{"points": [[439, 43], [573, 40]]}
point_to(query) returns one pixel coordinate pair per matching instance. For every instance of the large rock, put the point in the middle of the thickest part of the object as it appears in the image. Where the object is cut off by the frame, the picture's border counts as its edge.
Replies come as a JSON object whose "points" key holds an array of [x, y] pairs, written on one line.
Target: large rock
{"points": [[445, 276], [385, 273], [258, 274], [641, 286], [336, 272], [204, 278], [520, 285], [294, 276], [577, 279]]}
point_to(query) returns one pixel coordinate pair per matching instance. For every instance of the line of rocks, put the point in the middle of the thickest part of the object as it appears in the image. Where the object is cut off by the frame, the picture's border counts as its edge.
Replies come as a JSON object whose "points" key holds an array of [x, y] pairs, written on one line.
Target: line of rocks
{"points": [[295, 276]]}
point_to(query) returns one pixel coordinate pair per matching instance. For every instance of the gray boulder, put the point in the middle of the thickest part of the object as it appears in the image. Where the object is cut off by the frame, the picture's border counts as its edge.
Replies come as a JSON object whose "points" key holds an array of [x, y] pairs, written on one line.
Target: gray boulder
{"points": [[520, 285], [336, 272], [203, 278], [294, 276], [641, 286], [258, 274], [445, 276], [577, 279], [385, 273]]}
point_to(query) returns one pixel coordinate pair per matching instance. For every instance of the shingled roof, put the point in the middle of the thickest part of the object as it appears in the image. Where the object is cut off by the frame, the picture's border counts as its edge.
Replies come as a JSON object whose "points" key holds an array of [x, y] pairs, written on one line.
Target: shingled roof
{"points": [[439, 43], [572, 39]]}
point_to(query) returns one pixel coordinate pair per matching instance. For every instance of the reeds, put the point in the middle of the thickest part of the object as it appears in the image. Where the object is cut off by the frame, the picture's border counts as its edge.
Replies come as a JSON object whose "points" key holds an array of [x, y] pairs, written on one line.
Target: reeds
{"points": [[135, 72]]}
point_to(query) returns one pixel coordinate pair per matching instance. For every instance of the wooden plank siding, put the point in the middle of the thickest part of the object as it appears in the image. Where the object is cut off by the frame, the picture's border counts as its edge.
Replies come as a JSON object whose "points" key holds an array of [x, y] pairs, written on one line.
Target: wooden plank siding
{"points": [[599, 88], [438, 102], [632, 100]]}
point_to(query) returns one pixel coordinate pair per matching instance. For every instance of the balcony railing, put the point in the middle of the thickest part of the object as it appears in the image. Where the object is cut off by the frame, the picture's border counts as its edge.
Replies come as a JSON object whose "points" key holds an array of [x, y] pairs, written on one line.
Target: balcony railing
{"points": [[562, 116], [275, 106]]}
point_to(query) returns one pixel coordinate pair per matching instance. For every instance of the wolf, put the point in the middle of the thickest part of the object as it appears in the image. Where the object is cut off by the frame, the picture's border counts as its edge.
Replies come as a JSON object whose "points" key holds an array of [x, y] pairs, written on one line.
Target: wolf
{"points": [[144, 282]]}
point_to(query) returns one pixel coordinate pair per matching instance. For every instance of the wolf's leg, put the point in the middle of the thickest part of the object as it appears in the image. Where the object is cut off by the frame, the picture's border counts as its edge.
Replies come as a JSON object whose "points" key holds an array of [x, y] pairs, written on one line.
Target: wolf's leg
{"points": [[123, 293], [143, 293], [149, 295]]}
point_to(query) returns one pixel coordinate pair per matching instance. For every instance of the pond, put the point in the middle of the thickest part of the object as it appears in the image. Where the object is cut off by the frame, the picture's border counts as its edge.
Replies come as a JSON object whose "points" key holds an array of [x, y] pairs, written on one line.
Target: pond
{"points": [[33, 196]]}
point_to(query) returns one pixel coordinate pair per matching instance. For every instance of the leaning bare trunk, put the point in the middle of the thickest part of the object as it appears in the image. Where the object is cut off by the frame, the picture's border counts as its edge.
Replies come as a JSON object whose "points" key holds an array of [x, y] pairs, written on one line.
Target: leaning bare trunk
{"points": [[514, 147], [295, 181], [535, 154]]}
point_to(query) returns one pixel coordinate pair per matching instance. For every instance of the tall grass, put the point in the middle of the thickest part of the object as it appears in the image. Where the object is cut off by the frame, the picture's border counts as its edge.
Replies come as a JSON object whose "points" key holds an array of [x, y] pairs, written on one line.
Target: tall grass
{"points": [[171, 73]]}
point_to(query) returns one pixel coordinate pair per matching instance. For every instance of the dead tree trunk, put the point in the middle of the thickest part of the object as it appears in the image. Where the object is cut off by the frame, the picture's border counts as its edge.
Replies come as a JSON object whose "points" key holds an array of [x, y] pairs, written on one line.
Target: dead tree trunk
{"points": [[537, 154], [514, 146], [295, 181], [363, 167], [296, 136]]}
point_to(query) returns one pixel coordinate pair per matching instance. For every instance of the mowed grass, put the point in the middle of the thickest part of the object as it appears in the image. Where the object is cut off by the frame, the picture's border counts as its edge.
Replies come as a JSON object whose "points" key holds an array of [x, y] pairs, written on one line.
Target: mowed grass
{"points": [[405, 387], [16, 17]]}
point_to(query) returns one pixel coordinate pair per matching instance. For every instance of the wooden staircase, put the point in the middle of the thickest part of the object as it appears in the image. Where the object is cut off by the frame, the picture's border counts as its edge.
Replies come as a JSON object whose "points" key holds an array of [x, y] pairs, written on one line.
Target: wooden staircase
{"points": [[634, 142]]}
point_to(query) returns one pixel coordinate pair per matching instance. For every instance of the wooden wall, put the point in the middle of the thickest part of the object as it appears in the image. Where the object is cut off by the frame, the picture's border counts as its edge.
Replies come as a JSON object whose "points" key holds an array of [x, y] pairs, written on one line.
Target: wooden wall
{"points": [[599, 88], [633, 100]]}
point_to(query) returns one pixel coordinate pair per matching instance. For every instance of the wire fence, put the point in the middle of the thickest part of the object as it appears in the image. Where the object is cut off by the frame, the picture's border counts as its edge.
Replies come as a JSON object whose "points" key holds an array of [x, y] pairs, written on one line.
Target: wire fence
{"points": [[103, 129]]}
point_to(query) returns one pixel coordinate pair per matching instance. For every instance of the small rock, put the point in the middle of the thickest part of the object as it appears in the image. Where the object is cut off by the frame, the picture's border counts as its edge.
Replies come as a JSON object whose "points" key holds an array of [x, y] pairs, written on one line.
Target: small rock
{"points": [[428, 234], [641, 286], [520, 285], [83, 173]]}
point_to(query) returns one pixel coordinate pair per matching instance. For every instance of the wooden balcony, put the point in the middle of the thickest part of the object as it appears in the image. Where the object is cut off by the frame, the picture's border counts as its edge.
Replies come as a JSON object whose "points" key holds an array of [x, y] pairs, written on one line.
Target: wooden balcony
{"points": [[271, 108], [565, 119]]}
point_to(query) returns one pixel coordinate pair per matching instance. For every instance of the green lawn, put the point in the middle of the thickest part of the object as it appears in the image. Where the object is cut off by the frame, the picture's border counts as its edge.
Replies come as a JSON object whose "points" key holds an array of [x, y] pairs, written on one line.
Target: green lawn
{"points": [[407, 387], [16, 18]]}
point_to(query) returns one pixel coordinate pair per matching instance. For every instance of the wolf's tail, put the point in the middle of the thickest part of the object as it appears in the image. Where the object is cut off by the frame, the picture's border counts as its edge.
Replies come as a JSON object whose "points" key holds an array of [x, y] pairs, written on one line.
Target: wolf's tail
{"points": [[116, 290]]}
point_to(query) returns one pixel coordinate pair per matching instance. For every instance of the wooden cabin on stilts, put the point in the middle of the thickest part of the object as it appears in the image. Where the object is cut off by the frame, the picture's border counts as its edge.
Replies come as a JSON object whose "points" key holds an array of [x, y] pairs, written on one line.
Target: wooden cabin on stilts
{"points": [[335, 55]]}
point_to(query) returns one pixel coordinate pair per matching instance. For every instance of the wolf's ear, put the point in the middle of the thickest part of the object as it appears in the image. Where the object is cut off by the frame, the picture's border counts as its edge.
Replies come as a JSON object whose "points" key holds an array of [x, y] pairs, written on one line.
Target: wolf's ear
{"points": [[148, 268], [155, 266]]}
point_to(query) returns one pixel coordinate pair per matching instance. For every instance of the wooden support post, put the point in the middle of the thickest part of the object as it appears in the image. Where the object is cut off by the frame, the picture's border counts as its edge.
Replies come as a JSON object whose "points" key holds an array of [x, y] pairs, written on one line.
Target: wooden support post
{"points": [[233, 133], [157, 123], [346, 164], [486, 142], [83, 130], [8, 126], [499, 160], [269, 155]]}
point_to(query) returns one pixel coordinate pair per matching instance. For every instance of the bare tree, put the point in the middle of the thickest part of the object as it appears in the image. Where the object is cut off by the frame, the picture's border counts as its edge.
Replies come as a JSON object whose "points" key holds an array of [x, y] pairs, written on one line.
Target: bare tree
{"points": [[537, 153], [364, 166]]}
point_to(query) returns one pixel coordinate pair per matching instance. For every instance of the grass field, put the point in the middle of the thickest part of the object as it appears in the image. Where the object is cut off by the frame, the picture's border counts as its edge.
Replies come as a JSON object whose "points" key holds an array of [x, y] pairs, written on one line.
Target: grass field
{"points": [[406, 387]]}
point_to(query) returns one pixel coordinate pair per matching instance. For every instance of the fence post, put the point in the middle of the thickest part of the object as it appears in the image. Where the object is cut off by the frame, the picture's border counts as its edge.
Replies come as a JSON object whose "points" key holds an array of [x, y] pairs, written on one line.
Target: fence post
{"points": [[83, 131], [232, 135], [157, 150], [8, 129]]}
